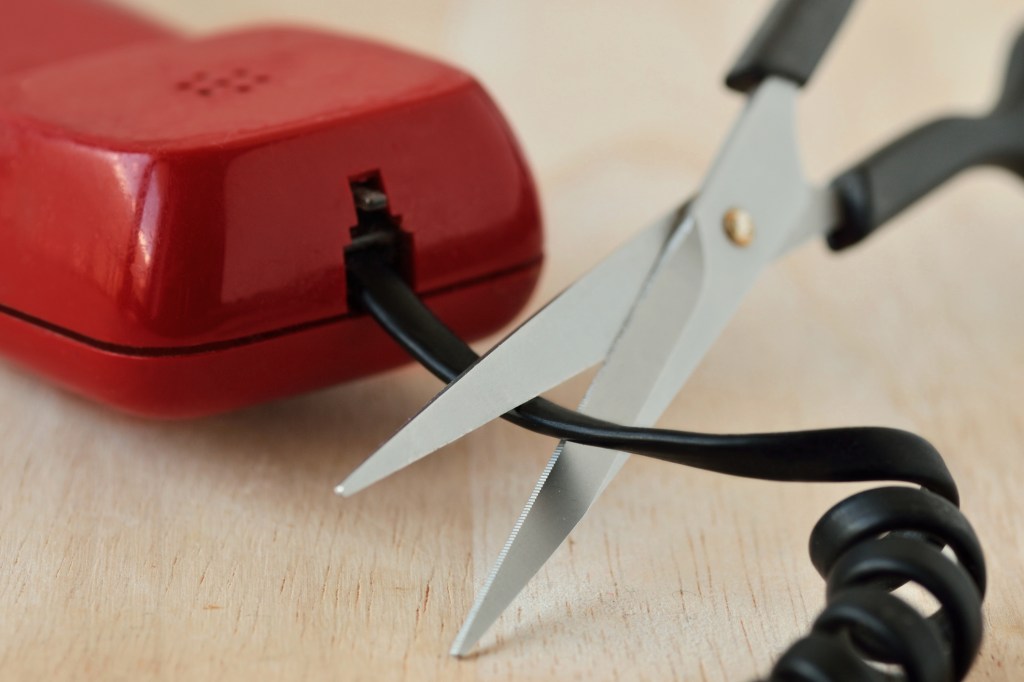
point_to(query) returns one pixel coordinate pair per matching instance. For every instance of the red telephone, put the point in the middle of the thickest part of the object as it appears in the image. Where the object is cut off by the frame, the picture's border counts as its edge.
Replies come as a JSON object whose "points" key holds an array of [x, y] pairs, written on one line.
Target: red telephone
{"points": [[174, 212]]}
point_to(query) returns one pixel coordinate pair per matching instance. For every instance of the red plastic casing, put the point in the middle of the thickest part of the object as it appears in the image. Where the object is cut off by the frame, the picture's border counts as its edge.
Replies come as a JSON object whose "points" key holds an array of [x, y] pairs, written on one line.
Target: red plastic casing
{"points": [[174, 213]]}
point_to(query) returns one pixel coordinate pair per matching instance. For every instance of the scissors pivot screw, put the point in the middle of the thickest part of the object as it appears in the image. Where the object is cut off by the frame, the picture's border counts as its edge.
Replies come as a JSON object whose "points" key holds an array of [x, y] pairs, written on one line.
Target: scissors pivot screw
{"points": [[739, 226]]}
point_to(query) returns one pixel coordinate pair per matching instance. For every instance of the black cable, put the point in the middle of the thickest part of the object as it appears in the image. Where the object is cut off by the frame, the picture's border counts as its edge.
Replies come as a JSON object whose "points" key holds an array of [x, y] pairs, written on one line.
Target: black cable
{"points": [[854, 454], [864, 547]]}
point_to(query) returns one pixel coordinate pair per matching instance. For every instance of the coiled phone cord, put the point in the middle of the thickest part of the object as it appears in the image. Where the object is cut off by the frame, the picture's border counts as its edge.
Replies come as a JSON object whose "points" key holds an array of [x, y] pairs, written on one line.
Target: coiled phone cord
{"points": [[864, 547]]}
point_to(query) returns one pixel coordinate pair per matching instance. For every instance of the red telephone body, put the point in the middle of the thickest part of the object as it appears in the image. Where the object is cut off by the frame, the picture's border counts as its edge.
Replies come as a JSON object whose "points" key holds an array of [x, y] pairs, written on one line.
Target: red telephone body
{"points": [[174, 212]]}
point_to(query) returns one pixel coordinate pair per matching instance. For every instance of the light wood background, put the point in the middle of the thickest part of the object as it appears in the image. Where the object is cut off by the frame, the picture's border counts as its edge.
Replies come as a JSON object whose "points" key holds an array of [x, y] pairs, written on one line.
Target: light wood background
{"points": [[215, 550]]}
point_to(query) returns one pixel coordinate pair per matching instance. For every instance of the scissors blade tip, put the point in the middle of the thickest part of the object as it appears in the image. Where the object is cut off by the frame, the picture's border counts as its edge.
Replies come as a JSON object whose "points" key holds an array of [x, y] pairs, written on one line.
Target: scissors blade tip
{"points": [[387, 460], [359, 479], [464, 642]]}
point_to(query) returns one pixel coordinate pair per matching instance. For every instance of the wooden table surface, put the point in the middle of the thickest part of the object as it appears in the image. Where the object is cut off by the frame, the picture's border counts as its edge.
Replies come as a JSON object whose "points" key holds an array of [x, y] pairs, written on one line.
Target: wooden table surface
{"points": [[214, 549]]}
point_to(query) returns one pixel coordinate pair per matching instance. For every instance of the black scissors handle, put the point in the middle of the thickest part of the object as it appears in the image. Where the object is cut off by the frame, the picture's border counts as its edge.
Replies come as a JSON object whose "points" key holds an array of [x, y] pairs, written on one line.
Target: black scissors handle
{"points": [[897, 175], [789, 43]]}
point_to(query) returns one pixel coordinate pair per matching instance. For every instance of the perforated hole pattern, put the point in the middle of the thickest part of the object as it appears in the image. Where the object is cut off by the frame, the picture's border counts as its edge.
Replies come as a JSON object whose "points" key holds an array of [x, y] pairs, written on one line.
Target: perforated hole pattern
{"points": [[206, 84]]}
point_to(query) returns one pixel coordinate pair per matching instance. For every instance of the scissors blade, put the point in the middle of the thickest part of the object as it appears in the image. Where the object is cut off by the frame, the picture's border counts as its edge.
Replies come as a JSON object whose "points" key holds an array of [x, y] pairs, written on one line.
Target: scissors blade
{"points": [[574, 478], [576, 475], [571, 334], [630, 387], [694, 291]]}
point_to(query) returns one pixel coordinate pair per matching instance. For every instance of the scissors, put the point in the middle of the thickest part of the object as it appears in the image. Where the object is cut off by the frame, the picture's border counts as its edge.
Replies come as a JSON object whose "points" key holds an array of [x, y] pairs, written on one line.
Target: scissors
{"points": [[649, 312]]}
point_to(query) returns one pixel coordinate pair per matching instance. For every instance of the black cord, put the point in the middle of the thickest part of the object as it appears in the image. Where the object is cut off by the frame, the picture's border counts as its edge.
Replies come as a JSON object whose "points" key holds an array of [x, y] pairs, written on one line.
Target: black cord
{"points": [[854, 454], [864, 547]]}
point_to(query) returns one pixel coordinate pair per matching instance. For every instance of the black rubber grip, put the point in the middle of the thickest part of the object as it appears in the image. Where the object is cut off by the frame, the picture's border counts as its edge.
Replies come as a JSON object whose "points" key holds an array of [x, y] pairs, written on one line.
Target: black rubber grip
{"points": [[894, 177], [789, 42]]}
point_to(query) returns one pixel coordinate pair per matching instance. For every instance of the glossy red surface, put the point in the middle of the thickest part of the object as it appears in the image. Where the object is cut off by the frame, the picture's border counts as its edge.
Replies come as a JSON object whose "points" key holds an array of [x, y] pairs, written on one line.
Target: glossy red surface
{"points": [[193, 384], [173, 214]]}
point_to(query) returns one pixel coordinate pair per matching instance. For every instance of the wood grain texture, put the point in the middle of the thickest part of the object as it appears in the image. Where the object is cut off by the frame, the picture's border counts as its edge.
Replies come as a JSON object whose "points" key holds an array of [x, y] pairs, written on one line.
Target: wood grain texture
{"points": [[214, 549]]}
